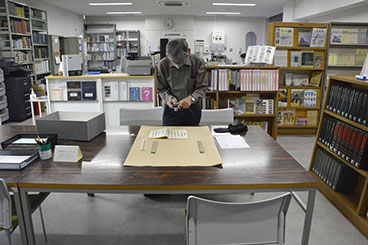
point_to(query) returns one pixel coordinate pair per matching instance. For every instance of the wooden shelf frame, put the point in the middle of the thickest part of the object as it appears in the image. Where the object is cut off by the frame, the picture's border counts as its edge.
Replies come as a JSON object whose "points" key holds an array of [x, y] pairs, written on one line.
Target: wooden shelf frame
{"points": [[297, 70], [271, 119], [354, 207]]}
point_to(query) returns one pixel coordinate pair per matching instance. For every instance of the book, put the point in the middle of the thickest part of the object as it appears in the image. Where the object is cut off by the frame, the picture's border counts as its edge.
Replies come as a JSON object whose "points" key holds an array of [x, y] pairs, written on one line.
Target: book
{"points": [[318, 37], [123, 90], [317, 60], [345, 39], [288, 117], [282, 97], [315, 79], [168, 133], [297, 97], [250, 107], [336, 36], [281, 58], [300, 80], [134, 94], [310, 98], [75, 95], [280, 121], [89, 91], [111, 91], [307, 59], [295, 58], [313, 116], [260, 54], [238, 105], [284, 36], [304, 37], [288, 79], [146, 93]]}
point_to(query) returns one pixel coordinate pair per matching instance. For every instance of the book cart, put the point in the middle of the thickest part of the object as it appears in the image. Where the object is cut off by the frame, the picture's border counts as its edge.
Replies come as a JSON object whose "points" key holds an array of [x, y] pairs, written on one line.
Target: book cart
{"points": [[340, 157], [221, 93], [301, 57]]}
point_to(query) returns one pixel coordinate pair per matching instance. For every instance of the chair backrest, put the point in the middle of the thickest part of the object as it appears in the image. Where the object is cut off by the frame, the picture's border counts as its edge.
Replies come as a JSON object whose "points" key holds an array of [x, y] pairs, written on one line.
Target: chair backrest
{"points": [[259, 222], [137, 117], [217, 117], [5, 206]]}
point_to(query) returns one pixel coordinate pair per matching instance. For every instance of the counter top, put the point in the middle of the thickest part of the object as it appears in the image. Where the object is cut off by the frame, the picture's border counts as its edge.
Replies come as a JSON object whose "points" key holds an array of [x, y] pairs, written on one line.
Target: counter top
{"points": [[104, 75]]}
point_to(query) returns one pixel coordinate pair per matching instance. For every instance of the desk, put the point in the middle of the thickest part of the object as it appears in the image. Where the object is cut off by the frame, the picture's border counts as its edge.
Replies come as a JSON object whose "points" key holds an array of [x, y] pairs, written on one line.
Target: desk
{"points": [[264, 167]]}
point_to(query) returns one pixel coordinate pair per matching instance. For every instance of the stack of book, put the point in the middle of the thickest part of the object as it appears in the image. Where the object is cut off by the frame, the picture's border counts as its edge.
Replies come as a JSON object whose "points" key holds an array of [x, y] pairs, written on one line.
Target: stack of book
{"points": [[350, 103], [23, 42], [41, 52], [242, 80], [19, 26], [348, 142], [338, 176], [348, 36]]}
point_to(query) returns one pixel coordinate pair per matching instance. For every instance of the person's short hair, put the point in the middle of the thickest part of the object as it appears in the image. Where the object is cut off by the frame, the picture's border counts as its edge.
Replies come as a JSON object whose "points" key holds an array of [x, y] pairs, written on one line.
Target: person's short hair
{"points": [[177, 49], [243, 55]]}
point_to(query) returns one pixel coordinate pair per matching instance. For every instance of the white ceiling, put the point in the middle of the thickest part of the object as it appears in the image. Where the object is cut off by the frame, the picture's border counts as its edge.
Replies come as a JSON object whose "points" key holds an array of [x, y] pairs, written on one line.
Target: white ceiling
{"points": [[263, 8]]}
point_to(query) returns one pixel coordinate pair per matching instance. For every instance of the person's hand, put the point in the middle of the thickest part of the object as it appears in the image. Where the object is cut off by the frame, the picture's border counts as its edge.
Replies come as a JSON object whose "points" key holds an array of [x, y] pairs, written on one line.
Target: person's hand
{"points": [[172, 102], [186, 102]]}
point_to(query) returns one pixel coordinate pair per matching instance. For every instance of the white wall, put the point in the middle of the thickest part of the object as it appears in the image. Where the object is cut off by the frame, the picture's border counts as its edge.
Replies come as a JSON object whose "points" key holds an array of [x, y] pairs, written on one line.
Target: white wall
{"points": [[325, 10], [61, 22], [152, 29]]}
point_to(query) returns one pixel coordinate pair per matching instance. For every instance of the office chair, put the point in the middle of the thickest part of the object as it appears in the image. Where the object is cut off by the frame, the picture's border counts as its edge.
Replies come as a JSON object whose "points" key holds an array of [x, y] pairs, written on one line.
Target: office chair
{"points": [[259, 222], [8, 216], [136, 117], [217, 117]]}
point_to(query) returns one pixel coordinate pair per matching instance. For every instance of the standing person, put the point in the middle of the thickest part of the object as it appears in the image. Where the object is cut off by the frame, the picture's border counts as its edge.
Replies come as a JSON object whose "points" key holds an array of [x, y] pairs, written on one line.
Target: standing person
{"points": [[181, 82]]}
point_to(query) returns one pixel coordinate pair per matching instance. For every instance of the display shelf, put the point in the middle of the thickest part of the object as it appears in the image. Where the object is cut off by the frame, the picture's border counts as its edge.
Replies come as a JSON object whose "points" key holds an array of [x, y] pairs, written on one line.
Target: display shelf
{"points": [[21, 34], [353, 206], [219, 96], [317, 64], [18, 17]]}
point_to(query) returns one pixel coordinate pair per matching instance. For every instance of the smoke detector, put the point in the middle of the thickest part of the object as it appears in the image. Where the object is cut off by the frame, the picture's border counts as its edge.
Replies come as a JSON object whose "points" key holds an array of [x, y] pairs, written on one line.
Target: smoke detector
{"points": [[173, 3]]}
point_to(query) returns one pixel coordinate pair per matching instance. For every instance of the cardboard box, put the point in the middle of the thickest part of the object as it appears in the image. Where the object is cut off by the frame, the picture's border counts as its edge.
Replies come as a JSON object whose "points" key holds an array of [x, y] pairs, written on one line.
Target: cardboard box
{"points": [[68, 125]]}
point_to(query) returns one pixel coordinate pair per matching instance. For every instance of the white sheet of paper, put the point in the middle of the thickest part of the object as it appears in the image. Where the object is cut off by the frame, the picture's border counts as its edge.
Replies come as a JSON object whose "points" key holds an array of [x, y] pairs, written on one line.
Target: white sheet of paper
{"points": [[26, 141], [67, 153], [12, 159], [231, 141]]}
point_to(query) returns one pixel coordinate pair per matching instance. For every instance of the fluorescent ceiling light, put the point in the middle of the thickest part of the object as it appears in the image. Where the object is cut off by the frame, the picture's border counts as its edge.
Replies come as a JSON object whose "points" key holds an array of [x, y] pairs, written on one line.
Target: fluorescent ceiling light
{"points": [[124, 12], [109, 4], [224, 13], [235, 4]]}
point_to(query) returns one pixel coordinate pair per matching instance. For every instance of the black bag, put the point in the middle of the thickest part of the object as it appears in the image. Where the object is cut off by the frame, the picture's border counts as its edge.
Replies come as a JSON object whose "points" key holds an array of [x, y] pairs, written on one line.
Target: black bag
{"points": [[238, 128]]}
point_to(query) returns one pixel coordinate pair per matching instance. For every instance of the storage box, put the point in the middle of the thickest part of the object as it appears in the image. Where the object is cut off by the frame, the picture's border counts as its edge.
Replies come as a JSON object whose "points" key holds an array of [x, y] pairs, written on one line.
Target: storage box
{"points": [[68, 125]]}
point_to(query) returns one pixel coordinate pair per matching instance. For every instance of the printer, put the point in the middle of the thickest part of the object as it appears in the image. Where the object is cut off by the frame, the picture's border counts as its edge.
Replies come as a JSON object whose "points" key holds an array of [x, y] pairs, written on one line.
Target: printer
{"points": [[72, 64], [140, 66]]}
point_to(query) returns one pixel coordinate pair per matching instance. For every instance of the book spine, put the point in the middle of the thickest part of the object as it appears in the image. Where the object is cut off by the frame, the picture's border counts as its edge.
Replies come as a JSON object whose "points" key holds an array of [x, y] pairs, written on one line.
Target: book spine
{"points": [[341, 102], [359, 103], [354, 105], [361, 150], [363, 107]]}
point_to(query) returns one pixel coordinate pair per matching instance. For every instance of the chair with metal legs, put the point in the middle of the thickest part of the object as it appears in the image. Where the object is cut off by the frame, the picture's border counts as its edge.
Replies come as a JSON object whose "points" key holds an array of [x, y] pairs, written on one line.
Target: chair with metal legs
{"points": [[8, 216]]}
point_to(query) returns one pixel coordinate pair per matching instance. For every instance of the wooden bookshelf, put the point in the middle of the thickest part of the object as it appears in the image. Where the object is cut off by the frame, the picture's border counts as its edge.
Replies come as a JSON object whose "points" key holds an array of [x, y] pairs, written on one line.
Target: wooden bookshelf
{"points": [[346, 51], [300, 112], [355, 205], [218, 96]]}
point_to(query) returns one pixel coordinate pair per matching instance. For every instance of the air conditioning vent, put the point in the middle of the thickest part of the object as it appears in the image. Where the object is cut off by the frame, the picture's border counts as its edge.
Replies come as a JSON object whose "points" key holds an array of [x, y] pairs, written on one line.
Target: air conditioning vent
{"points": [[173, 3]]}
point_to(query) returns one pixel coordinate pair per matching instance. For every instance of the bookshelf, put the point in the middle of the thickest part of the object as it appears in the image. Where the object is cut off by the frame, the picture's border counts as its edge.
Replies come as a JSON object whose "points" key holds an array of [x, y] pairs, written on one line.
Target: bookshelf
{"points": [[127, 43], [254, 100], [21, 27], [340, 154], [101, 46], [40, 45], [347, 48], [301, 57]]}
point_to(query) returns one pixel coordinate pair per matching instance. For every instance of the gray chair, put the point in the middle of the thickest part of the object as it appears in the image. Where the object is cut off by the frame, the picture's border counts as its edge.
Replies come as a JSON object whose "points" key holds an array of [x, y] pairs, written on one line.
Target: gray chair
{"points": [[259, 222], [8, 216], [217, 117], [136, 117]]}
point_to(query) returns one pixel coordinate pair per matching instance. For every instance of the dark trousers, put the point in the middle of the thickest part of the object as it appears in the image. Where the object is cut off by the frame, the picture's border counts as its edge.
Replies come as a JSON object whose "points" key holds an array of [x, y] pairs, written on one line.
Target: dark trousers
{"points": [[184, 117]]}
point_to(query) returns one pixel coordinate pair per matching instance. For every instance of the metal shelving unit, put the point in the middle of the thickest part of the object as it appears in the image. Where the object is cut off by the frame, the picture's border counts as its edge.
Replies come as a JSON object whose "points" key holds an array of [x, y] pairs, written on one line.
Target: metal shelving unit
{"points": [[128, 43]]}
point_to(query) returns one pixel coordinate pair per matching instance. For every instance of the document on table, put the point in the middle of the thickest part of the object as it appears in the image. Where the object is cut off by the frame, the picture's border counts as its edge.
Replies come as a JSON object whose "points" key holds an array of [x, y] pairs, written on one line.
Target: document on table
{"points": [[231, 141], [13, 159], [168, 133], [26, 141]]}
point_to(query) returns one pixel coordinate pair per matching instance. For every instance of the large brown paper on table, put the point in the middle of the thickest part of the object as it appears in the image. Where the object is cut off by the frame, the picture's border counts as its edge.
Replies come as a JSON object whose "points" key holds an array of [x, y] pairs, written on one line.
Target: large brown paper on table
{"points": [[175, 152]]}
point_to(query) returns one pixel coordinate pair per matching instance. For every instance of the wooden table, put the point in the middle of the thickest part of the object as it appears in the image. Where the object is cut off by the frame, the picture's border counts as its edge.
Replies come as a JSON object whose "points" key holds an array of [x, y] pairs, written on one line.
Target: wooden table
{"points": [[264, 167]]}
